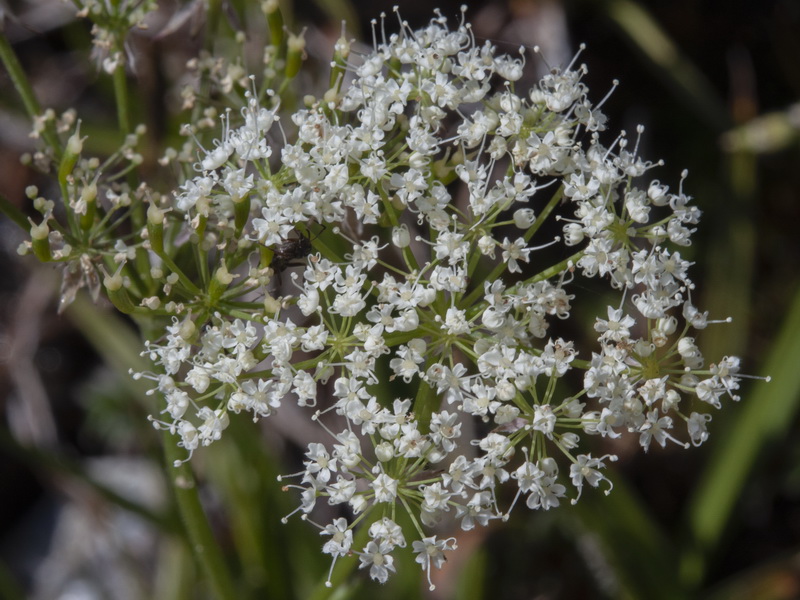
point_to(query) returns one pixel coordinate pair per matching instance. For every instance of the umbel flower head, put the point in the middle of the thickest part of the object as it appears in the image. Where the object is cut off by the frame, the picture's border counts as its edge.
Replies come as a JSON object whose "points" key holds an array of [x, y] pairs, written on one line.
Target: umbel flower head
{"points": [[403, 255]]}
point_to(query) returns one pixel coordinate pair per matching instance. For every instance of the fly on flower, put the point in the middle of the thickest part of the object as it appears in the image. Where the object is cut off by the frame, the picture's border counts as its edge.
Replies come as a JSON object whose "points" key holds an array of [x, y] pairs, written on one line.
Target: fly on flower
{"points": [[292, 250]]}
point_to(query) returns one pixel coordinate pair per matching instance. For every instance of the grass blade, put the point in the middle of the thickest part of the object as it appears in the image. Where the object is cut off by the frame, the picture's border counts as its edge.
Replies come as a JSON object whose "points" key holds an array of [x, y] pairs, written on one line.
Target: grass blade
{"points": [[641, 555], [766, 416]]}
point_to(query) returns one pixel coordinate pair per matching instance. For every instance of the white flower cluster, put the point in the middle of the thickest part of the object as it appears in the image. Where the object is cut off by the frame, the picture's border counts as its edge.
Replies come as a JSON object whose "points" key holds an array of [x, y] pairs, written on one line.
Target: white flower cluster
{"points": [[418, 317]]}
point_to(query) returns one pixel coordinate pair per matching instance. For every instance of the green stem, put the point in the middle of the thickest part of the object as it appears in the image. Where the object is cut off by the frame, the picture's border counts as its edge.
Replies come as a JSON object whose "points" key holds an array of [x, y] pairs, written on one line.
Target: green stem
{"points": [[425, 403], [204, 546], [187, 283], [24, 89], [544, 214], [551, 271], [121, 96]]}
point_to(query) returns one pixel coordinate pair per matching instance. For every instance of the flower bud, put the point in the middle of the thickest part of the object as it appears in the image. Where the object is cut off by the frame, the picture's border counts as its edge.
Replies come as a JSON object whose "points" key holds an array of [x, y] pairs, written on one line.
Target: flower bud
{"points": [[341, 51], [486, 245], [573, 234], [89, 199], [322, 374], [71, 155], [384, 451], [223, 276], [506, 413], [505, 392], [667, 325], [219, 283], [241, 212], [40, 238], [643, 348], [687, 347], [118, 294], [400, 236], [271, 8], [690, 353], [418, 345], [152, 302], [187, 330], [524, 218], [271, 305], [155, 228], [570, 440], [418, 160], [330, 97], [342, 47], [296, 45], [658, 193]]}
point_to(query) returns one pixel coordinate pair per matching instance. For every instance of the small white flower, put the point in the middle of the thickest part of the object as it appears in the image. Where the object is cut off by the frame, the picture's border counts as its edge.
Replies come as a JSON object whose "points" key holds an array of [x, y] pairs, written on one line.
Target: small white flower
{"points": [[385, 488], [379, 560], [513, 252]]}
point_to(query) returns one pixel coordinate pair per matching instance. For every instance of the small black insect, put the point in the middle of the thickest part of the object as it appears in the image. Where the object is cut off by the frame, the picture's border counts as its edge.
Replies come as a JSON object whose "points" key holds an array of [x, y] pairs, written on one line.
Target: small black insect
{"points": [[290, 250]]}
